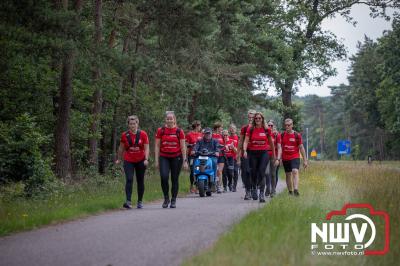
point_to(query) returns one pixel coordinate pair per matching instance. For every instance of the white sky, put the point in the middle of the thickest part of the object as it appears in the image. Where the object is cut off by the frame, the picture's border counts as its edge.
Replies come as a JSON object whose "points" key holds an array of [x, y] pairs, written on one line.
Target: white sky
{"points": [[349, 35]]}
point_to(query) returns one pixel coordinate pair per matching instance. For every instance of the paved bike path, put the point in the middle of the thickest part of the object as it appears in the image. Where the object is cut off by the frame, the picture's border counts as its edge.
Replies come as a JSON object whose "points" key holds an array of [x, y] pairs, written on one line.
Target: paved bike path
{"points": [[149, 236]]}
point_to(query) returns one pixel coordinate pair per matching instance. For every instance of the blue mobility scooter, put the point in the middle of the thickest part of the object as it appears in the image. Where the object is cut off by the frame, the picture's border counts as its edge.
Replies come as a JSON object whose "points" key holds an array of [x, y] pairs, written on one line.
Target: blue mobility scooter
{"points": [[204, 172]]}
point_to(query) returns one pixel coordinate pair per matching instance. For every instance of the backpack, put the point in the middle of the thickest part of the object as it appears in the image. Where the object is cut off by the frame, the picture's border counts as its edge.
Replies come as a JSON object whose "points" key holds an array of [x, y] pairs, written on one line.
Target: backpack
{"points": [[296, 136], [177, 133], [137, 138]]}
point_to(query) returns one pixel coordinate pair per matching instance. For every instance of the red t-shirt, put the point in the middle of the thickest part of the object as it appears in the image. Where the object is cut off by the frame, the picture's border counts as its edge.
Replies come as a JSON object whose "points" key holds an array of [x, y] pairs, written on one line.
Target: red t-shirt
{"points": [[192, 137], [135, 153], [220, 140], [228, 150], [243, 130], [169, 142], [259, 139], [290, 147], [235, 139]]}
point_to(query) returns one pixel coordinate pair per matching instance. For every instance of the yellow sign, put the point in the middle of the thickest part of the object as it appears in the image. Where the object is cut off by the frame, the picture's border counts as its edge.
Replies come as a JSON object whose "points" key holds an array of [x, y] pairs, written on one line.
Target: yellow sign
{"points": [[313, 153]]}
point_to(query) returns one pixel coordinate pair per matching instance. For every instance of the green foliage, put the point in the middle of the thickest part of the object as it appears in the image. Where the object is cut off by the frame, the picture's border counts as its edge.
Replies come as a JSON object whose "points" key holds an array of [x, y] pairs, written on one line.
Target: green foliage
{"points": [[21, 157]]}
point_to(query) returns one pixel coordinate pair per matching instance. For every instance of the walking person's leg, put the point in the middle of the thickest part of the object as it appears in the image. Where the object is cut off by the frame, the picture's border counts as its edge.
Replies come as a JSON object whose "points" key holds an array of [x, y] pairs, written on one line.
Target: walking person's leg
{"points": [[235, 175], [164, 174], [272, 171], [176, 166], [295, 173], [288, 172], [140, 172], [262, 166], [129, 172], [268, 188], [230, 171], [253, 161]]}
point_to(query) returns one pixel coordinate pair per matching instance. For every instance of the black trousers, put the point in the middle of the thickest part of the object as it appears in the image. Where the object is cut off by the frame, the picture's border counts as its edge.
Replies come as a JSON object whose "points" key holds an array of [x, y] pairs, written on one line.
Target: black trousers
{"points": [[170, 165], [246, 172], [258, 164], [228, 172], [129, 169]]}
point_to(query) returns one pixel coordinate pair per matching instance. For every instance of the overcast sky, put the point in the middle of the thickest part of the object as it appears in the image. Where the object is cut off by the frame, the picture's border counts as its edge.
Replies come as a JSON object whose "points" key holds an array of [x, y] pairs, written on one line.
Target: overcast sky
{"points": [[350, 35]]}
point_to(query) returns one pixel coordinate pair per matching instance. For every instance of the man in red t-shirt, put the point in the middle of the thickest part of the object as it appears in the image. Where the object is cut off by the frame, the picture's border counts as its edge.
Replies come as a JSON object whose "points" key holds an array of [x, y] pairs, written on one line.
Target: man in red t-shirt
{"points": [[229, 150], [191, 138], [291, 144]]}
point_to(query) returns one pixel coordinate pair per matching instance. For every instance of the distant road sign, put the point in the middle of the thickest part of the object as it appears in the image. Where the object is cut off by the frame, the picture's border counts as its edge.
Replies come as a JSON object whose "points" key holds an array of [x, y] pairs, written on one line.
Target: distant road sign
{"points": [[344, 147], [314, 153]]}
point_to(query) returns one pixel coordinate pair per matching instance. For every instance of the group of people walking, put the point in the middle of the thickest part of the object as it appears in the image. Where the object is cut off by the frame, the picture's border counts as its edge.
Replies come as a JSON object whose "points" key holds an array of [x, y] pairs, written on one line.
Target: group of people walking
{"points": [[258, 152]]}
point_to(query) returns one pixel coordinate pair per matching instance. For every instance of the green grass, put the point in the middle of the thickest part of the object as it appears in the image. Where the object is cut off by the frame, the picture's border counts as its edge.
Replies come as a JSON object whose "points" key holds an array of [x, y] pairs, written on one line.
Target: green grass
{"points": [[92, 196], [279, 233]]}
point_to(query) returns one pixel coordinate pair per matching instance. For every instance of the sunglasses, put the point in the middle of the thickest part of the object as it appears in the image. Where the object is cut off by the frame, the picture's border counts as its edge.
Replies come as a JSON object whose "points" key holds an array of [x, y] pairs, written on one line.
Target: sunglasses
{"points": [[258, 118], [270, 125]]}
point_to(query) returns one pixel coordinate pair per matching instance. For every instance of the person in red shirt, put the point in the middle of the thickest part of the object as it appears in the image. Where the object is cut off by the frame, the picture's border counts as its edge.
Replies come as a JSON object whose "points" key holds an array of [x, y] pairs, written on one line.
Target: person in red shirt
{"points": [[191, 138], [292, 143], [273, 163], [229, 150], [217, 134], [278, 150], [134, 149], [255, 147], [244, 162], [170, 154], [233, 136]]}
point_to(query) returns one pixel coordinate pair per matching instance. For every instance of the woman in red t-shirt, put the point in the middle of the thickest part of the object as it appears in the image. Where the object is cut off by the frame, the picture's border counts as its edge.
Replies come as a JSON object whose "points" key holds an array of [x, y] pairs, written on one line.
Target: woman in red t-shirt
{"points": [[255, 147], [233, 136], [217, 134], [191, 138], [170, 154], [229, 151], [134, 149]]}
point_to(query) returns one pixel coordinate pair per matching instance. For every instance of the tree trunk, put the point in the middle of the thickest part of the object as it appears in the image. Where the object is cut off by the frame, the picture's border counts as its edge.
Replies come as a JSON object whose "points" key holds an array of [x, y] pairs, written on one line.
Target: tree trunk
{"points": [[287, 98], [192, 109], [133, 76], [62, 144], [98, 94], [62, 133]]}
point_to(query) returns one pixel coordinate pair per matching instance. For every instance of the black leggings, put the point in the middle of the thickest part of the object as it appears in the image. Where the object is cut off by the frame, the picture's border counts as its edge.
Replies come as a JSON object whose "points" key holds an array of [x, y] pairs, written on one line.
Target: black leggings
{"points": [[258, 164], [245, 172], [173, 165], [191, 162], [228, 172], [235, 173], [129, 169]]}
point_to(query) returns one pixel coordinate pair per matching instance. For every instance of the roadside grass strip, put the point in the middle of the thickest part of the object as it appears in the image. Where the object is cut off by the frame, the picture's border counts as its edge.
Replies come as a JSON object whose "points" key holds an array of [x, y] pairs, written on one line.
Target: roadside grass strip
{"points": [[78, 201], [280, 233]]}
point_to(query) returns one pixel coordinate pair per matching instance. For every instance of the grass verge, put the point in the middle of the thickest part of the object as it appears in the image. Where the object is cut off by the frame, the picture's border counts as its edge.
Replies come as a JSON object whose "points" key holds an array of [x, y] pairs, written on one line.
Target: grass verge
{"points": [[94, 195], [279, 233]]}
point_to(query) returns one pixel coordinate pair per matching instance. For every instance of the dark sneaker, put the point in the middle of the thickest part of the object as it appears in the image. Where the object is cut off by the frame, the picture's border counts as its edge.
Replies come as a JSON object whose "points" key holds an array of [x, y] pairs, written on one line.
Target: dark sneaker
{"points": [[225, 190], [234, 189], [230, 187], [127, 205], [262, 199], [165, 203], [139, 205], [247, 196], [273, 194], [296, 193], [267, 193], [254, 194], [290, 193], [173, 203]]}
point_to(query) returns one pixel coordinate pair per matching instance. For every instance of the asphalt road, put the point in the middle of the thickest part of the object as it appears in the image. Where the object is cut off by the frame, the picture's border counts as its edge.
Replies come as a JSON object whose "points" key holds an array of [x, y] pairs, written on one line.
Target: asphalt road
{"points": [[149, 236]]}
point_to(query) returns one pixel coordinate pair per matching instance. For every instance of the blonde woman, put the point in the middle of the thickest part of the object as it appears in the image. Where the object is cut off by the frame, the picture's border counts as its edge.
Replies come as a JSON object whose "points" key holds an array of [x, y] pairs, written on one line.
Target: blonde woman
{"points": [[170, 155]]}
